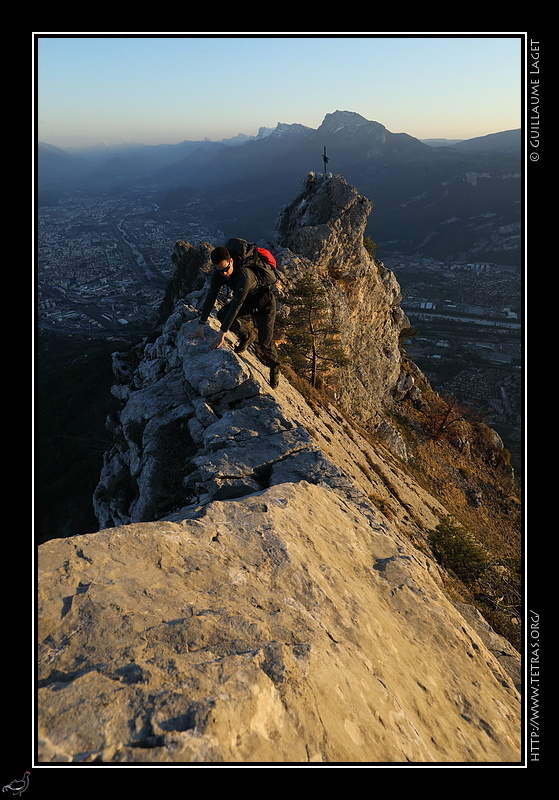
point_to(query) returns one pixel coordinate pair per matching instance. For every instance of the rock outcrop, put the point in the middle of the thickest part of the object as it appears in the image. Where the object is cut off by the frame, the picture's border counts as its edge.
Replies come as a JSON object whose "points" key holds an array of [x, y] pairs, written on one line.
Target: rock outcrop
{"points": [[323, 230], [260, 590]]}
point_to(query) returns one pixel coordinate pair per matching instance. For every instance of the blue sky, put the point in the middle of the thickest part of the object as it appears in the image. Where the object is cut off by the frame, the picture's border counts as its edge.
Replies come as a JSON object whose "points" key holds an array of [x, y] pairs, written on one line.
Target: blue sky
{"points": [[158, 88]]}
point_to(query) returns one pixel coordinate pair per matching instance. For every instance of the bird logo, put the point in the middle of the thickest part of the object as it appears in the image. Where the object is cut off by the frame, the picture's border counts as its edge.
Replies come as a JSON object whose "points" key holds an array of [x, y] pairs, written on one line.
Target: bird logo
{"points": [[17, 787]]}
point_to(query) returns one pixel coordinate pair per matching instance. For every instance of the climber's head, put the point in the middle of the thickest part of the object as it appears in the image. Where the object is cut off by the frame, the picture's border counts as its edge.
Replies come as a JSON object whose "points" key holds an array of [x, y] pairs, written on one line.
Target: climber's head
{"points": [[222, 261]]}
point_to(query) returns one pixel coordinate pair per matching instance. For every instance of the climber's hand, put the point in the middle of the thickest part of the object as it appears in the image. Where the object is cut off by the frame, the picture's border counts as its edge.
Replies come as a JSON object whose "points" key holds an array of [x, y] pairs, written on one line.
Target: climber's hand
{"points": [[218, 341]]}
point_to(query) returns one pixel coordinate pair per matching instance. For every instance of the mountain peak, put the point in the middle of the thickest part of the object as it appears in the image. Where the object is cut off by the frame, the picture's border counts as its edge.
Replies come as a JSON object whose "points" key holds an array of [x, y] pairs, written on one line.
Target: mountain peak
{"points": [[341, 119], [283, 129]]}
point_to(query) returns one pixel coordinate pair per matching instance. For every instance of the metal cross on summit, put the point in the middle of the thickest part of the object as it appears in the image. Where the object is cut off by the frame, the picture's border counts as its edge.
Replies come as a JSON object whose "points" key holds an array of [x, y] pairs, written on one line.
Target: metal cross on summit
{"points": [[325, 159]]}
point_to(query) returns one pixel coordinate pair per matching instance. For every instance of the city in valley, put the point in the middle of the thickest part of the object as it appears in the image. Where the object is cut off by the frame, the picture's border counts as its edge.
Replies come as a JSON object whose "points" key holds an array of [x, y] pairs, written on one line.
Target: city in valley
{"points": [[103, 263]]}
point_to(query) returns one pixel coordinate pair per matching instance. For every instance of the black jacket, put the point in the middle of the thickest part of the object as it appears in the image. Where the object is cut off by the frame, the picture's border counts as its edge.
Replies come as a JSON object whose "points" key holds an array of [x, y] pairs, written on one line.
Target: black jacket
{"points": [[250, 275], [243, 282]]}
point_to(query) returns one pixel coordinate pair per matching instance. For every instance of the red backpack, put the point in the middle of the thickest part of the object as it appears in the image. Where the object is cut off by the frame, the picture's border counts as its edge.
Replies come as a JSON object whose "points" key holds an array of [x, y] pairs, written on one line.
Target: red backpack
{"points": [[266, 256]]}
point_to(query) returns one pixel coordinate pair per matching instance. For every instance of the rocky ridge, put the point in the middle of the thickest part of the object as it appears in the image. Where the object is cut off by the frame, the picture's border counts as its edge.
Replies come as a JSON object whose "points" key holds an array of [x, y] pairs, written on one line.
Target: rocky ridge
{"points": [[259, 590]]}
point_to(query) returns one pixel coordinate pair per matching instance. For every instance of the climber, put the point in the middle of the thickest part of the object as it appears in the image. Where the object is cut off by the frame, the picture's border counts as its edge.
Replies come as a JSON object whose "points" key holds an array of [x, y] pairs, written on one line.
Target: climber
{"points": [[242, 270]]}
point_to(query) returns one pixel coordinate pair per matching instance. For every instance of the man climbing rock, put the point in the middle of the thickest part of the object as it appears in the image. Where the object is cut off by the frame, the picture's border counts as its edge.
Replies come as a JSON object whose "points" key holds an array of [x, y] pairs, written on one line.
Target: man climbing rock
{"points": [[241, 268]]}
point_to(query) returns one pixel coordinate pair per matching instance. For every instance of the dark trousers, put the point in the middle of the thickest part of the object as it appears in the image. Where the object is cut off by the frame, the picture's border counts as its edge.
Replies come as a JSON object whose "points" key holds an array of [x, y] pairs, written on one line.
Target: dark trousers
{"points": [[258, 310]]}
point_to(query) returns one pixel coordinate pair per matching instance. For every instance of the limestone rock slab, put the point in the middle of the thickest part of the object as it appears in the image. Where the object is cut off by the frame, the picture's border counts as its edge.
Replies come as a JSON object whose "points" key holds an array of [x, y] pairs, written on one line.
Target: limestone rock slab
{"points": [[283, 627]]}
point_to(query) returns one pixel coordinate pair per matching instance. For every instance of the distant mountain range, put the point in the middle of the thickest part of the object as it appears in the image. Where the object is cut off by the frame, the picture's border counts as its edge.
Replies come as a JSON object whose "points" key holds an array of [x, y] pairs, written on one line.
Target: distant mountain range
{"points": [[455, 201]]}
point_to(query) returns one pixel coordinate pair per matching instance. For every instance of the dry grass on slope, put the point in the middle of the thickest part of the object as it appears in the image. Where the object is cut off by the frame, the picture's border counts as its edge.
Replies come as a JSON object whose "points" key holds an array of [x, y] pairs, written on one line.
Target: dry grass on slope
{"points": [[464, 465]]}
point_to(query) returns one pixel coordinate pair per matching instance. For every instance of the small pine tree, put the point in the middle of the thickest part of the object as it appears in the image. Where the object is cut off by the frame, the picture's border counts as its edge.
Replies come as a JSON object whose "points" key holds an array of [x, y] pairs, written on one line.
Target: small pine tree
{"points": [[310, 345], [458, 550], [370, 246]]}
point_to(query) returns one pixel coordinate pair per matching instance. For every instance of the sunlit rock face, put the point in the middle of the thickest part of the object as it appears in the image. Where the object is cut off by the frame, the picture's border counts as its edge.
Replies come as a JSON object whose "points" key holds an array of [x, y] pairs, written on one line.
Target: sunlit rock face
{"points": [[286, 626], [323, 230]]}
